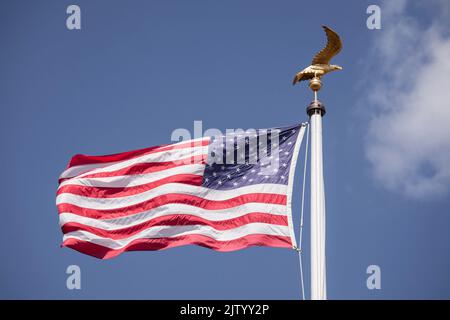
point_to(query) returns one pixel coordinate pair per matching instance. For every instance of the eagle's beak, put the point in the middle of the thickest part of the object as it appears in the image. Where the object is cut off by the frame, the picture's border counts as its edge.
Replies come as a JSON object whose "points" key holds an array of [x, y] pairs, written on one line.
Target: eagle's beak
{"points": [[338, 67]]}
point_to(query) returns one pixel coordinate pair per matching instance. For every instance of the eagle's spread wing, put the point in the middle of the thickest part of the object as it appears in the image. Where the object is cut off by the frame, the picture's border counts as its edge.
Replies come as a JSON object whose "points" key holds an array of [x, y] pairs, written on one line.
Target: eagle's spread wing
{"points": [[334, 45]]}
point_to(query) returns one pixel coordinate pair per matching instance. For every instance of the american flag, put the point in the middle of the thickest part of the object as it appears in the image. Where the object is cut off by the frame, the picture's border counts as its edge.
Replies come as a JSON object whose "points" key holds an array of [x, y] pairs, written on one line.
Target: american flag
{"points": [[225, 193]]}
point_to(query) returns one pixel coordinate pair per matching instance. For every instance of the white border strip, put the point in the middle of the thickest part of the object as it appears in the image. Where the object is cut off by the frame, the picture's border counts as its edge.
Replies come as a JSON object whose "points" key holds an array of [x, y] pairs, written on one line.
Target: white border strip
{"points": [[290, 187]]}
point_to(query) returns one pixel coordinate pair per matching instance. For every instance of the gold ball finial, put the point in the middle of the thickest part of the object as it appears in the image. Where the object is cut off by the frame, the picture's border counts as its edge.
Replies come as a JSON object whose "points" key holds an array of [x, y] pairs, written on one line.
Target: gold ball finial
{"points": [[315, 84]]}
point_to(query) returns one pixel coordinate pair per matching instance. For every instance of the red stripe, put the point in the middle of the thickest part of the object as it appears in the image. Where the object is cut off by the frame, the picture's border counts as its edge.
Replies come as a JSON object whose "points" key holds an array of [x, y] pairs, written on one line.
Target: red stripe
{"points": [[111, 192], [149, 167], [81, 159], [178, 220], [165, 243], [173, 198]]}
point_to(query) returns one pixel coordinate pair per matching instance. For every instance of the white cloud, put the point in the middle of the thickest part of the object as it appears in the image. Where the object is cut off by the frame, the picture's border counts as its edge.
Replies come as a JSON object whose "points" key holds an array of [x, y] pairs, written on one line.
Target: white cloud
{"points": [[408, 143]]}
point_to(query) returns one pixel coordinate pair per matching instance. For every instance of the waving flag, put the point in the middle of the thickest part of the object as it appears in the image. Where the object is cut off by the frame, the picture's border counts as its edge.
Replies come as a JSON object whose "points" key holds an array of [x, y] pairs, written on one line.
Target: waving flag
{"points": [[225, 193]]}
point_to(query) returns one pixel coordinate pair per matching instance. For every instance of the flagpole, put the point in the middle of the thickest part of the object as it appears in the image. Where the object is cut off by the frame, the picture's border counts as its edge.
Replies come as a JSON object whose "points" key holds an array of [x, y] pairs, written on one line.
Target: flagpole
{"points": [[318, 259]]}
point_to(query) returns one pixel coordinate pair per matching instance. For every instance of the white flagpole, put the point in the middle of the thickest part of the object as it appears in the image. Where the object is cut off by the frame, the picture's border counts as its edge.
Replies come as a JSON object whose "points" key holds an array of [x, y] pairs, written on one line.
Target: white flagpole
{"points": [[318, 263]]}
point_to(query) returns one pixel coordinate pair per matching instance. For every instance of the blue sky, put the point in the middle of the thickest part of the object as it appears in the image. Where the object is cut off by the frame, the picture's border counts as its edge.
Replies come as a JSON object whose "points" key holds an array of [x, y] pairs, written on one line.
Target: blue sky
{"points": [[137, 70]]}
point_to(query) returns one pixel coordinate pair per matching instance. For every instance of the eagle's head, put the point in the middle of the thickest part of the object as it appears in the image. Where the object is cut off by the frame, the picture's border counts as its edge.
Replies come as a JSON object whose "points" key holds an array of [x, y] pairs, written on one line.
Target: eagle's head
{"points": [[335, 67]]}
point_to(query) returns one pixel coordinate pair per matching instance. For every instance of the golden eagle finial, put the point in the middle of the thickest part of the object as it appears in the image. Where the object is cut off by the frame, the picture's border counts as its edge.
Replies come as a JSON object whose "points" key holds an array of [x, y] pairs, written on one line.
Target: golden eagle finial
{"points": [[321, 61]]}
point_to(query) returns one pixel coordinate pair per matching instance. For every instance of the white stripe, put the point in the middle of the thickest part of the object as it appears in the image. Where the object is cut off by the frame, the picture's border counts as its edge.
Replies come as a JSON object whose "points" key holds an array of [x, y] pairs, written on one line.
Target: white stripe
{"points": [[174, 231], [176, 208], [161, 156], [136, 179], [179, 188], [77, 170]]}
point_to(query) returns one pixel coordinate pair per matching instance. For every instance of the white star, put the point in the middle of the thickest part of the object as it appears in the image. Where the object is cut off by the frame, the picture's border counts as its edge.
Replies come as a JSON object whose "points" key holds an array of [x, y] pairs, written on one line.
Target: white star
{"points": [[293, 131], [206, 180], [228, 176], [290, 142], [275, 170], [235, 184], [284, 138], [284, 165], [220, 182], [238, 170], [253, 170], [266, 177], [250, 180], [244, 177], [222, 167], [282, 177], [286, 153], [214, 174]]}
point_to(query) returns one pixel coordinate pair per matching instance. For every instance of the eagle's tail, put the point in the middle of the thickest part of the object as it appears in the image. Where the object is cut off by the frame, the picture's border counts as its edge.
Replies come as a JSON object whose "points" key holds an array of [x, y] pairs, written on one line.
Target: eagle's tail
{"points": [[297, 78]]}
